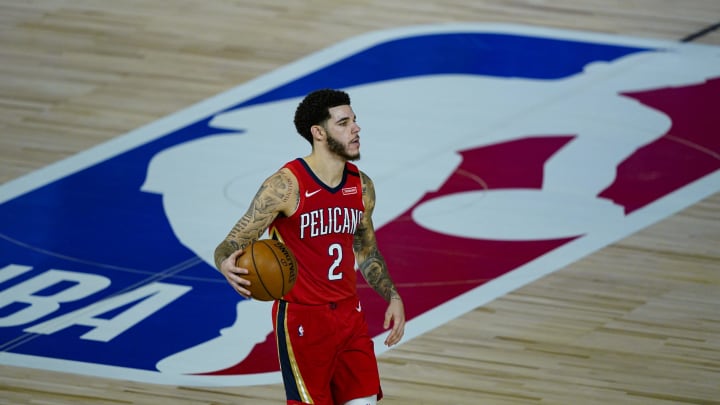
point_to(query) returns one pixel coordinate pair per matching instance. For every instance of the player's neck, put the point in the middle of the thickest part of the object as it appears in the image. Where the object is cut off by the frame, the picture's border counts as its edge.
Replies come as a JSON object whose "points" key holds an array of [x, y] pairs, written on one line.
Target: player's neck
{"points": [[328, 168]]}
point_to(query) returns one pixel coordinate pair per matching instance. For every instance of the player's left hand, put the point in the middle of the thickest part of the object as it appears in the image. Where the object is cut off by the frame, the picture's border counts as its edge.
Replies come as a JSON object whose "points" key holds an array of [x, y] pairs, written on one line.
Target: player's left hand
{"points": [[395, 316]]}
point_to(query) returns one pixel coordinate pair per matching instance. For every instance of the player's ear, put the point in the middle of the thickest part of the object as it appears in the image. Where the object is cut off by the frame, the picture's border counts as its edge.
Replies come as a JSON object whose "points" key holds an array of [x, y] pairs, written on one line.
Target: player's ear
{"points": [[318, 132]]}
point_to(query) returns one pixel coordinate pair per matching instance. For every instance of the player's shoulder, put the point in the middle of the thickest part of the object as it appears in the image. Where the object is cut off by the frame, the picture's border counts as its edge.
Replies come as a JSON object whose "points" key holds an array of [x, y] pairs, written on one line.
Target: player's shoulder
{"points": [[286, 177], [281, 187], [368, 188], [364, 178], [282, 182]]}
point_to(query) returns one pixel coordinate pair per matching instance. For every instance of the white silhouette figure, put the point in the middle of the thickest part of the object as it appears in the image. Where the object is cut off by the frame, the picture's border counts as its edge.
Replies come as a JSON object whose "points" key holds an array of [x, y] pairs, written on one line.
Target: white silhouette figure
{"points": [[412, 130]]}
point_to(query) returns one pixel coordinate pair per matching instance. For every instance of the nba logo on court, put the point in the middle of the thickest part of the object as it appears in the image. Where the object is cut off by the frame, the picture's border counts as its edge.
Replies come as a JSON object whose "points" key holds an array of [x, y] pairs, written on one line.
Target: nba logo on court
{"points": [[499, 154]]}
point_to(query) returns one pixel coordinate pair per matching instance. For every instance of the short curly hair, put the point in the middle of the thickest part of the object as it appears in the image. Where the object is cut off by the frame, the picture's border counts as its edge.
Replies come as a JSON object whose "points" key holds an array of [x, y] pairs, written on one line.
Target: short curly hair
{"points": [[314, 109]]}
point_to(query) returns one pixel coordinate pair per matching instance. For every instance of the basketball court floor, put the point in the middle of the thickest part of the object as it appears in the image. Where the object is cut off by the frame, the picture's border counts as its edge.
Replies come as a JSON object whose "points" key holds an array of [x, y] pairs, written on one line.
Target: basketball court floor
{"points": [[548, 180]]}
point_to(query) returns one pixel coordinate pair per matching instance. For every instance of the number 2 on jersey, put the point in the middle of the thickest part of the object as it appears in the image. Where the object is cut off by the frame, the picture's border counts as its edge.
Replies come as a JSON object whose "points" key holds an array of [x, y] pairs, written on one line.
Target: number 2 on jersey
{"points": [[335, 250]]}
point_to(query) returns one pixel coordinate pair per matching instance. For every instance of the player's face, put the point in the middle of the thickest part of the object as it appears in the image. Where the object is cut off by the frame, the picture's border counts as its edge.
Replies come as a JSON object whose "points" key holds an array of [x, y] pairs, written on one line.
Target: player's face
{"points": [[343, 133]]}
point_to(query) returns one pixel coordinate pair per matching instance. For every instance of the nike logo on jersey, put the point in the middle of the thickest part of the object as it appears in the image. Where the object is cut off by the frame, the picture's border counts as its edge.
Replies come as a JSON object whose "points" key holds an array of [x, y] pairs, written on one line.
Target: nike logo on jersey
{"points": [[311, 193]]}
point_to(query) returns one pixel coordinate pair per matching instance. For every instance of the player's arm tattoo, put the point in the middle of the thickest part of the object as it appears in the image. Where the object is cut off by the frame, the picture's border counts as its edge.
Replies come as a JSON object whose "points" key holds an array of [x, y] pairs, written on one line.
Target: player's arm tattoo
{"points": [[370, 262], [274, 194]]}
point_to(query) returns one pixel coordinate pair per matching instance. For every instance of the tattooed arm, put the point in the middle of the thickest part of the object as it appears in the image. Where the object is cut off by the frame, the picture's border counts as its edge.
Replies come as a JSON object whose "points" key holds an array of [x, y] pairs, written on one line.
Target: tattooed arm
{"points": [[277, 195], [373, 267]]}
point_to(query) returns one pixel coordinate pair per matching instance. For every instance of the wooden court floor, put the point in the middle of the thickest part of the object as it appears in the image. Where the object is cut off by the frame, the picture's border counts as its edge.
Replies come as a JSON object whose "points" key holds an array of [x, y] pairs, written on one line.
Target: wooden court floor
{"points": [[635, 323]]}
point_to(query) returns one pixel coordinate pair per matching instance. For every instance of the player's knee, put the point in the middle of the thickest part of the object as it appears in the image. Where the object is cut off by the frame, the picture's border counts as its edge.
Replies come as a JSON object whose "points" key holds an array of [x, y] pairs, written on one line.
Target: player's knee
{"points": [[371, 400]]}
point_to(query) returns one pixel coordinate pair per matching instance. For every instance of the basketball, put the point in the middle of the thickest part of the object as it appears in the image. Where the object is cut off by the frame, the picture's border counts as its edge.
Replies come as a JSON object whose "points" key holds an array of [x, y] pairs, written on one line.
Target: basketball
{"points": [[272, 269]]}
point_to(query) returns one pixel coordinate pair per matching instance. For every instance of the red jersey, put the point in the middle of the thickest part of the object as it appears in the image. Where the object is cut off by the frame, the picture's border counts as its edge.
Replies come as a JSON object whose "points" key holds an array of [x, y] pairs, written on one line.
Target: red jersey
{"points": [[321, 233]]}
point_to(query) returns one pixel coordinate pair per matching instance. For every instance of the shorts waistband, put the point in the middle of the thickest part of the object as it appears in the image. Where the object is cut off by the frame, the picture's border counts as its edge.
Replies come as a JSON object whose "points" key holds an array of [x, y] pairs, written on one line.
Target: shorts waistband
{"points": [[332, 305]]}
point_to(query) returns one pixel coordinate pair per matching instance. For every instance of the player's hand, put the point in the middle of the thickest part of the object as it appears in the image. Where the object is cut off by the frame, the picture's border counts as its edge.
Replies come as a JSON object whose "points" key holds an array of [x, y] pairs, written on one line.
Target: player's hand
{"points": [[395, 316], [233, 274]]}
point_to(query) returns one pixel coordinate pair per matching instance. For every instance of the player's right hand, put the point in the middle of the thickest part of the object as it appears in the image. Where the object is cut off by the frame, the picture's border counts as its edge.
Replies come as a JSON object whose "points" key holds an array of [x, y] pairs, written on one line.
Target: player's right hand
{"points": [[233, 274]]}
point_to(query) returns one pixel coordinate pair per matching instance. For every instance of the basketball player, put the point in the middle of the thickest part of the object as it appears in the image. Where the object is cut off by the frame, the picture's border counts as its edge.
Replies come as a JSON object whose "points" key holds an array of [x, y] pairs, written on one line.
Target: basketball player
{"points": [[321, 207]]}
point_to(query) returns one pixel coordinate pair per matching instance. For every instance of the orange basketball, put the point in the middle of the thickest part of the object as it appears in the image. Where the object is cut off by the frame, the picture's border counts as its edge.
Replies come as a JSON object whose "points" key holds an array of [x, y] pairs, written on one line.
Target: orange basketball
{"points": [[272, 267]]}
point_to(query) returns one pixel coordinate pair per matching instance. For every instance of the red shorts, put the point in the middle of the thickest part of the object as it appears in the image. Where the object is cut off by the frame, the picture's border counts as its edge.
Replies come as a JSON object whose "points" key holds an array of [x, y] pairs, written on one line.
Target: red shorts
{"points": [[326, 355]]}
